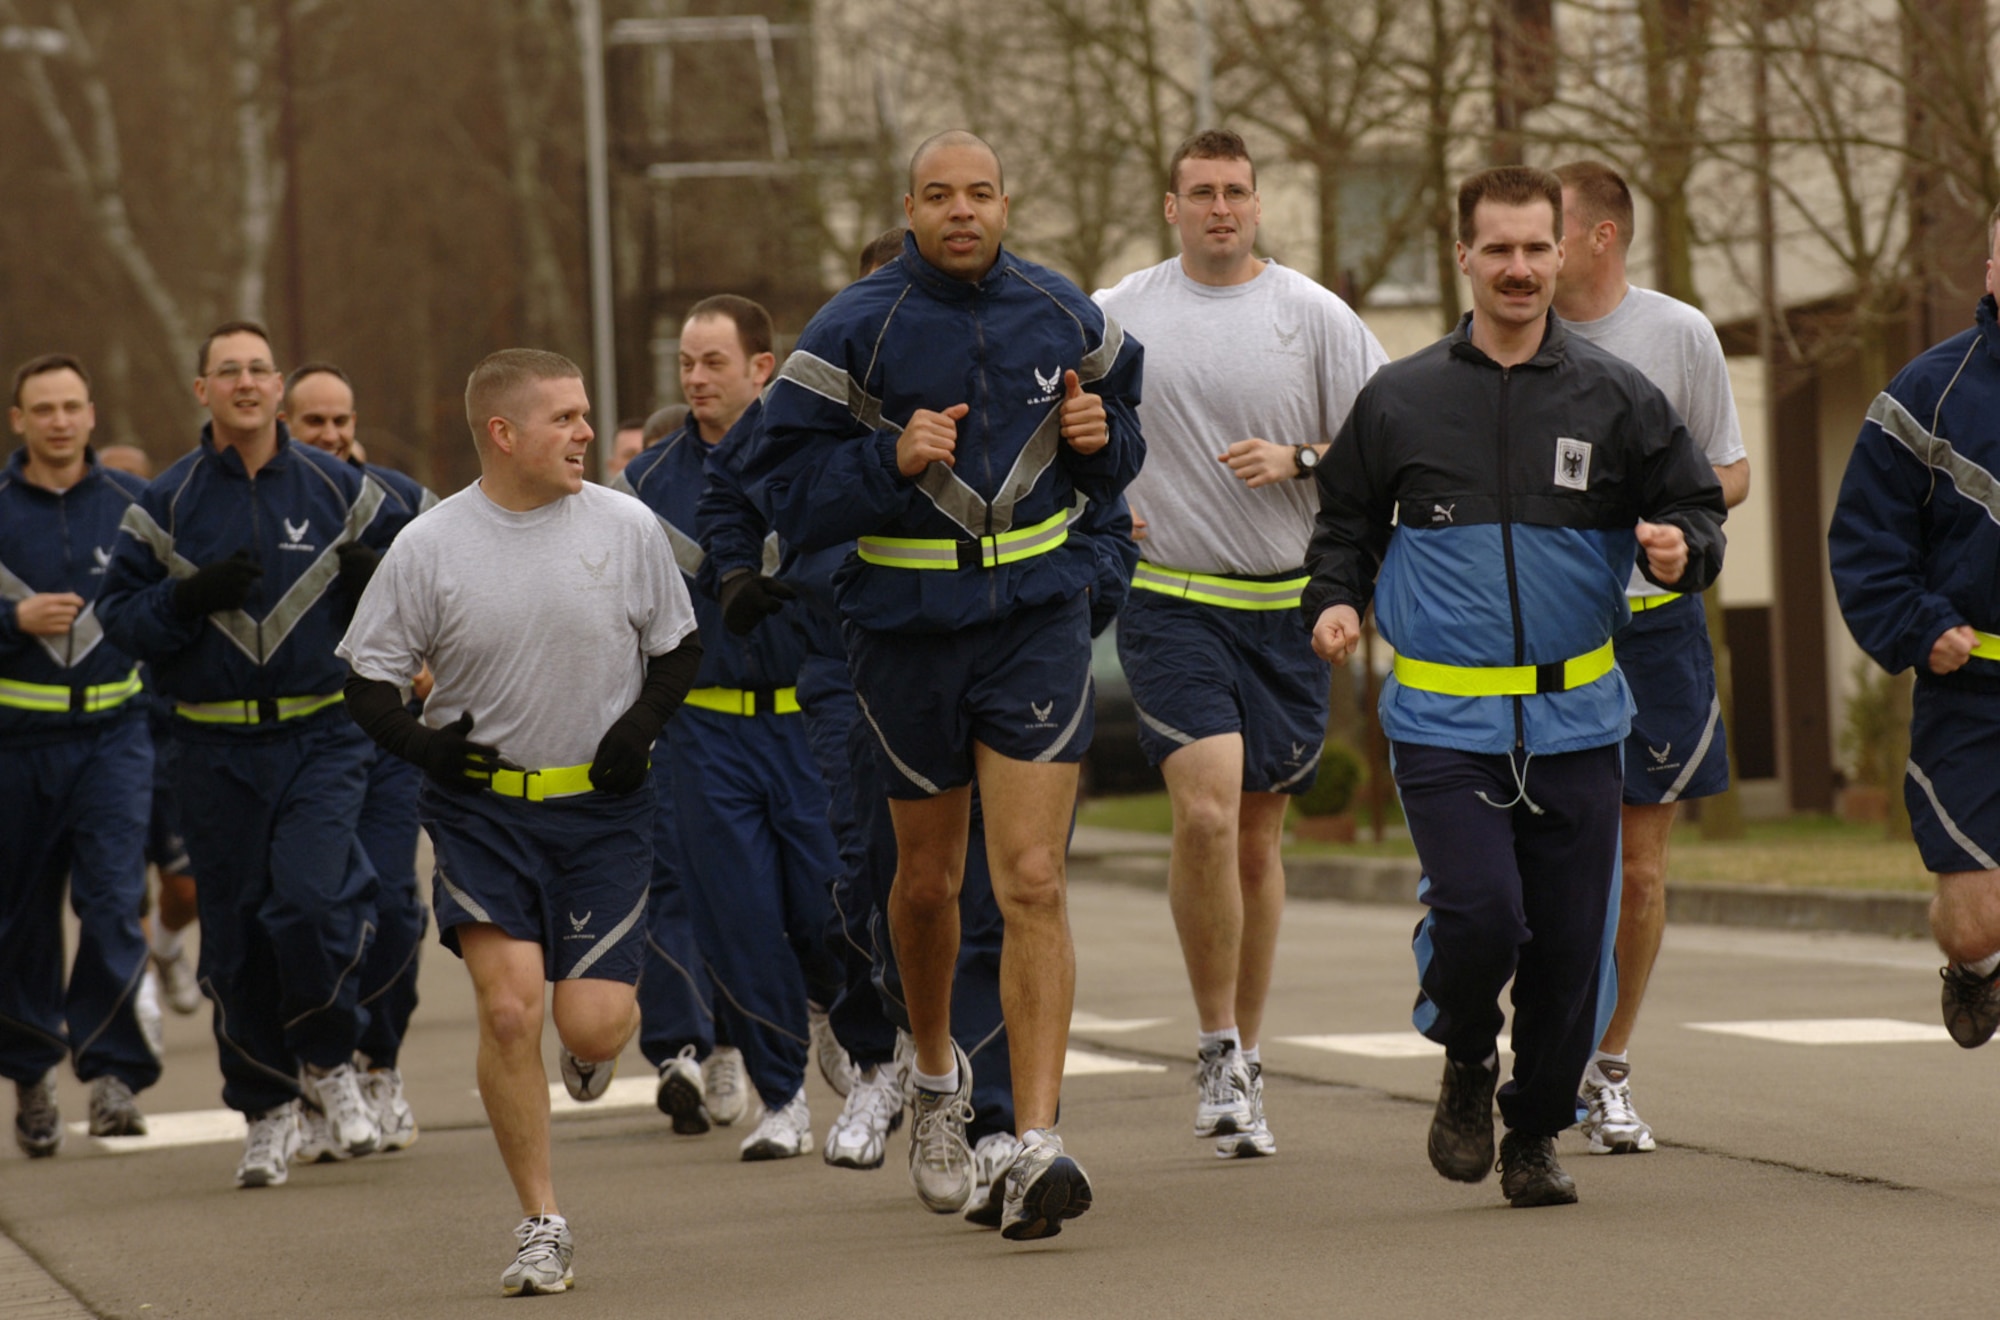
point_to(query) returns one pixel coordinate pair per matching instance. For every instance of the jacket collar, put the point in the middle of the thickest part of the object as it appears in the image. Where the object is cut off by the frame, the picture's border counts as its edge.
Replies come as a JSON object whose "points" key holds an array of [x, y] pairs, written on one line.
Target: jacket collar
{"points": [[1988, 317], [948, 288], [1554, 348], [17, 472], [232, 463]]}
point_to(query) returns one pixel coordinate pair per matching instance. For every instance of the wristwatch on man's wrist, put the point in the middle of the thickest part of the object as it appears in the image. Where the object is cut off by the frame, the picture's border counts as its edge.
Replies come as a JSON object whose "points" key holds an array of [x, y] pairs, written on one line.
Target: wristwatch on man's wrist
{"points": [[1306, 458]]}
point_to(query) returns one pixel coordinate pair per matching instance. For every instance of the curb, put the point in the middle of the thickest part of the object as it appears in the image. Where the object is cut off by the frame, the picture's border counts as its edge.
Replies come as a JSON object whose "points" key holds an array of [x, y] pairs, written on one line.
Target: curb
{"points": [[1394, 880]]}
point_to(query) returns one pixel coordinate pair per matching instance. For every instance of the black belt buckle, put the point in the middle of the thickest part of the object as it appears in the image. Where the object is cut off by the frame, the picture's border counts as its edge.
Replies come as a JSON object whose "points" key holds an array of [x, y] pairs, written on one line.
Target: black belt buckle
{"points": [[1549, 678], [79, 700], [763, 701], [969, 555], [267, 710]]}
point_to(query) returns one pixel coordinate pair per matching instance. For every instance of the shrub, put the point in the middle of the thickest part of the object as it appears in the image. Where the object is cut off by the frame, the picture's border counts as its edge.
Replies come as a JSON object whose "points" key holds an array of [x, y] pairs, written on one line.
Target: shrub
{"points": [[1339, 775]]}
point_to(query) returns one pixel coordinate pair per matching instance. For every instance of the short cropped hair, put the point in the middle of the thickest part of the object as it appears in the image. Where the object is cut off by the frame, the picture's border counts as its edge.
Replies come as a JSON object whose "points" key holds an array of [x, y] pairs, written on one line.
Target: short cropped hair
{"points": [[229, 328], [1209, 144], [47, 362], [495, 385], [299, 373], [1600, 194], [1507, 185], [880, 250], [956, 137], [662, 423], [752, 322]]}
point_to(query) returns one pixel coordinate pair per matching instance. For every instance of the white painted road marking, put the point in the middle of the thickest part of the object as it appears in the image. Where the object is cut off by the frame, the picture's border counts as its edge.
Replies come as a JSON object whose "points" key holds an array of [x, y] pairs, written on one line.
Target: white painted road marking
{"points": [[1104, 1026], [195, 1127], [1831, 1031], [1380, 1044]]}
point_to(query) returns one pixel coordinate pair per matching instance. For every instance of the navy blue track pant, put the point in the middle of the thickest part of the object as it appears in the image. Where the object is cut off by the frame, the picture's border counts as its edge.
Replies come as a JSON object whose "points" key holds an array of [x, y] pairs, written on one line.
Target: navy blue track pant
{"points": [[286, 897], [676, 1008], [1515, 893], [77, 809], [389, 972]]}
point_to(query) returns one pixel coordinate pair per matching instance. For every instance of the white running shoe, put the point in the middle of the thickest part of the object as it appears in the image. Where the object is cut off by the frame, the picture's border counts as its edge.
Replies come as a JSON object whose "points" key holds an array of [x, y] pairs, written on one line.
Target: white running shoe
{"points": [[874, 1109], [146, 1007], [1223, 1076], [784, 1133], [349, 1118], [1613, 1126], [316, 1144], [1044, 1187], [38, 1125], [178, 979], [113, 1111], [397, 1122], [268, 1147], [991, 1159], [723, 1082], [542, 1265], [1256, 1139], [585, 1082], [680, 1096], [828, 1052], [940, 1159]]}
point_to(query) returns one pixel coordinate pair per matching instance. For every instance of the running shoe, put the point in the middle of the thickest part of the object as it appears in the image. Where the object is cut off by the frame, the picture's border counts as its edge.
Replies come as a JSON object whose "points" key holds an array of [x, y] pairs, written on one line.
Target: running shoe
{"points": [[828, 1052], [1044, 1187], [1461, 1137], [383, 1089], [38, 1125], [680, 1095], [542, 1263], [1613, 1126], [1529, 1174], [268, 1147], [178, 978], [724, 1083], [940, 1159], [992, 1155], [784, 1133], [316, 1143], [585, 1082], [874, 1109], [113, 1111], [1971, 1005], [1255, 1140], [349, 1118], [146, 1007], [1223, 1078]]}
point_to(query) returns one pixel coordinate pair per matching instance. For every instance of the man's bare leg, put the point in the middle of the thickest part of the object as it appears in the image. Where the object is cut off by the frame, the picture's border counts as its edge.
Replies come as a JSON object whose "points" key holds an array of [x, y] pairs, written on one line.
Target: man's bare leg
{"points": [[1204, 889], [507, 978], [923, 915], [1965, 919], [1028, 806], [1260, 869], [1642, 913], [595, 1018]]}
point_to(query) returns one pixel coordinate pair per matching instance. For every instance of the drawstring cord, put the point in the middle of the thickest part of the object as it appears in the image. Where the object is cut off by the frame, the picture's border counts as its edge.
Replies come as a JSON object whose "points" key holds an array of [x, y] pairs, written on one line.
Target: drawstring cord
{"points": [[1520, 773]]}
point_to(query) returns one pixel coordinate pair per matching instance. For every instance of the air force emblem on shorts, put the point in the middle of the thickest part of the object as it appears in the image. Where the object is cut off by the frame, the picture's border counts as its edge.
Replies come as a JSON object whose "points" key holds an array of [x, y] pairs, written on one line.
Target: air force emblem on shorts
{"points": [[1572, 463], [578, 924], [1042, 711]]}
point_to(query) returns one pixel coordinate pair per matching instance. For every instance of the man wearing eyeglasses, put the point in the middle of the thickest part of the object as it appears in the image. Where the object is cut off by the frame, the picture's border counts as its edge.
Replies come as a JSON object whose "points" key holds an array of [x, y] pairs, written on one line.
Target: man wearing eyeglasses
{"points": [[234, 576], [1251, 368]]}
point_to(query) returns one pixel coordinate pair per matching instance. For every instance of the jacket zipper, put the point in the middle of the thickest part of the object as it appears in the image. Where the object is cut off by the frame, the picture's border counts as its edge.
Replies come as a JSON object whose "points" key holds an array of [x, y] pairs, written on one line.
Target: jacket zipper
{"points": [[69, 574], [256, 548], [1507, 550]]}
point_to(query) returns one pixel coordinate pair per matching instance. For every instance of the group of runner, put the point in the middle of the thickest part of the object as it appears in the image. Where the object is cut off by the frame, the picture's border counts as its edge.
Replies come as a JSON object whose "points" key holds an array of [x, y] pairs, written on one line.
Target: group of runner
{"points": [[767, 754]]}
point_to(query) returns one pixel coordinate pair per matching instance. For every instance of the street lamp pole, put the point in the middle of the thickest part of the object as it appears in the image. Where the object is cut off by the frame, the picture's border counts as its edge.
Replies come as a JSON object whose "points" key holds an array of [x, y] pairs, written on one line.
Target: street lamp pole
{"points": [[597, 186]]}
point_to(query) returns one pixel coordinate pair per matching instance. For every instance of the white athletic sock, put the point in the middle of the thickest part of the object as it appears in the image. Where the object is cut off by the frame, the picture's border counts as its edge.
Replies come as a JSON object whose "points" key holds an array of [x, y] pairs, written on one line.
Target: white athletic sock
{"points": [[1252, 1056], [1607, 1068], [1229, 1035], [942, 1084], [166, 944], [1985, 966]]}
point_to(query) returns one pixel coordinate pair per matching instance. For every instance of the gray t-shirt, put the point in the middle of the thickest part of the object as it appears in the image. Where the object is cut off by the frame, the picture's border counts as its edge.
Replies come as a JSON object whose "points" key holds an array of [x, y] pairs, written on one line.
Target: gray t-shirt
{"points": [[1677, 348], [539, 623], [1279, 358]]}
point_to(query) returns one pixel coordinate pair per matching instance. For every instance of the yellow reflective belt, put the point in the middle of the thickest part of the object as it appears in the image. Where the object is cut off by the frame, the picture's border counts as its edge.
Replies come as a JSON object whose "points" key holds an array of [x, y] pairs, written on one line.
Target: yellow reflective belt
{"points": [[1639, 603], [985, 552], [540, 785], [1504, 680], [1988, 645], [1231, 593], [746, 701], [57, 699], [264, 711]]}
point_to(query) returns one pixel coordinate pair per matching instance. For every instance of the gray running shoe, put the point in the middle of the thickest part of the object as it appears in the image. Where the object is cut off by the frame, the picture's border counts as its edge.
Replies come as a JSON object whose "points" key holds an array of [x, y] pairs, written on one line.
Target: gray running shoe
{"points": [[1461, 1137], [1613, 1126], [1044, 1187], [585, 1082], [349, 1117], [182, 987], [940, 1159], [859, 1138], [680, 1096], [38, 1125], [113, 1112], [828, 1052], [1255, 1140], [316, 1142], [785, 1132], [724, 1083], [268, 1147], [542, 1263], [1224, 1079], [1529, 1174], [992, 1156], [383, 1089], [1971, 1005]]}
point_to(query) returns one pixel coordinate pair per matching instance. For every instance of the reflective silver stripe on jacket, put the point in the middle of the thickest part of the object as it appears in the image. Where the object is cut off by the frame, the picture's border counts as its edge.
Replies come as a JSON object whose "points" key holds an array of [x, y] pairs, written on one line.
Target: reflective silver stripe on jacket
{"points": [[1973, 481]]}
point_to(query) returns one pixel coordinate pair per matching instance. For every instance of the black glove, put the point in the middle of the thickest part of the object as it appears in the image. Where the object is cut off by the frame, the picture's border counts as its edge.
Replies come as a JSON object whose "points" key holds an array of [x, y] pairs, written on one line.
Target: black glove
{"points": [[223, 585], [454, 761], [750, 598], [620, 764], [357, 566]]}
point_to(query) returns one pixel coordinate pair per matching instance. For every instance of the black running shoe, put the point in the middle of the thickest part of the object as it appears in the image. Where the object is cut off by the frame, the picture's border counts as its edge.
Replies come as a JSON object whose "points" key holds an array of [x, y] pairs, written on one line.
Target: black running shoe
{"points": [[1529, 1174], [1971, 1005], [1461, 1141]]}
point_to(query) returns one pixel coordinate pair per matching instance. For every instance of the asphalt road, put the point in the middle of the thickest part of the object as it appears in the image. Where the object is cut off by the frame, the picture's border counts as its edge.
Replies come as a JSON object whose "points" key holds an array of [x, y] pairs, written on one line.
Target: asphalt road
{"points": [[1854, 1177]]}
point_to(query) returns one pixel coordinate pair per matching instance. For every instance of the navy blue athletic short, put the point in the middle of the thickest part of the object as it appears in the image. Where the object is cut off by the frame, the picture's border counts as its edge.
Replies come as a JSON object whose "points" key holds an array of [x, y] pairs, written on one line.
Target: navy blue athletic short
{"points": [[1953, 784], [1677, 748], [1201, 670], [569, 874], [1020, 685]]}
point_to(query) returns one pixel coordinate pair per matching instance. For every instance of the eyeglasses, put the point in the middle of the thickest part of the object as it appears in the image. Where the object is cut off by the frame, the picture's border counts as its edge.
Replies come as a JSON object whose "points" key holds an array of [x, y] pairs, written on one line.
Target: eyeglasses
{"points": [[1235, 194], [259, 372]]}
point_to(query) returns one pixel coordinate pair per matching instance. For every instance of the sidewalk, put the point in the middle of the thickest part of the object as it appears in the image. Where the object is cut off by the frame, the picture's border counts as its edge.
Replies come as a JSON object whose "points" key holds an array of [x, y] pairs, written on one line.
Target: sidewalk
{"points": [[1139, 858]]}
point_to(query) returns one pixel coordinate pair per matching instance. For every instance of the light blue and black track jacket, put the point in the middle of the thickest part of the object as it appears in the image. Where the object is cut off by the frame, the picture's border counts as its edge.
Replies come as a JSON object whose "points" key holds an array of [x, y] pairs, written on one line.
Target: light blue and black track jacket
{"points": [[908, 337], [1915, 541], [56, 541], [293, 515], [1514, 493]]}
